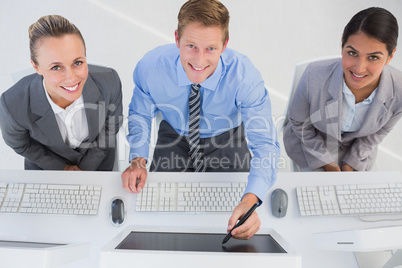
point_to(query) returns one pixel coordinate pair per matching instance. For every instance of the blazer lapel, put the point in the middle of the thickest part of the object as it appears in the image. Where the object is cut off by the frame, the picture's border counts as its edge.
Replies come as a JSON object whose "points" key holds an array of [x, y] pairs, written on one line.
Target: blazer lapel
{"points": [[333, 105], [94, 108], [41, 107], [47, 121], [377, 109]]}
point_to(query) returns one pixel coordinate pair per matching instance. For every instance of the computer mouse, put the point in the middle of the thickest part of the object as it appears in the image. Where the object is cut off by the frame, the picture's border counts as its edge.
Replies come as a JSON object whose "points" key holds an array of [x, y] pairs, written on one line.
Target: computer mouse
{"points": [[117, 212], [279, 203]]}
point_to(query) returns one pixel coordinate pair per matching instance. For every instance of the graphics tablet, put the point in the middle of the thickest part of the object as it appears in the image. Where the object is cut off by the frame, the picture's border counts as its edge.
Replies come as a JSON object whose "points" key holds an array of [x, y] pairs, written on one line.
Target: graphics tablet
{"points": [[196, 247], [198, 242]]}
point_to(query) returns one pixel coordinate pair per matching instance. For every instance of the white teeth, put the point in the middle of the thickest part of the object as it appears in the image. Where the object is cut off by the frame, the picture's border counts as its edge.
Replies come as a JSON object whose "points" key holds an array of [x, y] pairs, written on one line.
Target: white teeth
{"points": [[198, 69], [358, 76], [71, 88]]}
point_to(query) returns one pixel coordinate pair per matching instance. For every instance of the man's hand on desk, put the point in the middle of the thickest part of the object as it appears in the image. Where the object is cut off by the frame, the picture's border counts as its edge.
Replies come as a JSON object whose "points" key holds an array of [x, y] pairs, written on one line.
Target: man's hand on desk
{"points": [[135, 172], [251, 225]]}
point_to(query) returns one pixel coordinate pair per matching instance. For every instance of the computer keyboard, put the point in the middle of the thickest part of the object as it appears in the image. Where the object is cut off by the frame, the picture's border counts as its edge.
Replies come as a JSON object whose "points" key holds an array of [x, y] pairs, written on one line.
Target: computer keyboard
{"points": [[49, 198], [350, 199], [190, 196]]}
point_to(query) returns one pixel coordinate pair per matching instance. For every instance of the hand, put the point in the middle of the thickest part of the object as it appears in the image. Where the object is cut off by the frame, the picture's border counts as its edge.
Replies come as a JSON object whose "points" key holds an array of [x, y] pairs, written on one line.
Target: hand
{"points": [[251, 225], [346, 167], [72, 167], [135, 172], [332, 167]]}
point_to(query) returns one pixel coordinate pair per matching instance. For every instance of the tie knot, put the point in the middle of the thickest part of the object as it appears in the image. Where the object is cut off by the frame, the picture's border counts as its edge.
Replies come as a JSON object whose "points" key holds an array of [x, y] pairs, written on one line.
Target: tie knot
{"points": [[195, 87]]}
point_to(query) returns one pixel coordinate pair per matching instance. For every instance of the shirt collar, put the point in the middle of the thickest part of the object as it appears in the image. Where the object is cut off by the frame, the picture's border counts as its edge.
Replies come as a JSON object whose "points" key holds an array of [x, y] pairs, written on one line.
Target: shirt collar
{"points": [[368, 100], [210, 83]]}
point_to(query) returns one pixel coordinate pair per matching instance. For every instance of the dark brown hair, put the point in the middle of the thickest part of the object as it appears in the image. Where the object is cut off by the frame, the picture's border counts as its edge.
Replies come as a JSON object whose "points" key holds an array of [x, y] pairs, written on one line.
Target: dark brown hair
{"points": [[377, 23]]}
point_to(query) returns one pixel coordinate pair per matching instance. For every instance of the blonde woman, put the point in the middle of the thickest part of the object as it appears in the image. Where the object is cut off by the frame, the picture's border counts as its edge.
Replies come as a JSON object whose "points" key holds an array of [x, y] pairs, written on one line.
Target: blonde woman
{"points": [[65, 116]]}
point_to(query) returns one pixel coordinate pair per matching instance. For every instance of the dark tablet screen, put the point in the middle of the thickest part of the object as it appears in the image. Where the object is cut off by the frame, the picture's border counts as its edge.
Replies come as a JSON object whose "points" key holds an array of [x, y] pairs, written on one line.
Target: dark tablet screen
{"points": [[263, 243]]}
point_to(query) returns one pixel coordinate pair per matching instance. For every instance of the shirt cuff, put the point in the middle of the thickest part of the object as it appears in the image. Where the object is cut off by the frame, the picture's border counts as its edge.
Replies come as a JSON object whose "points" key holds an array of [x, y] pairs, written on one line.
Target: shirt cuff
{"points": [[138, 152], [258, 187]]}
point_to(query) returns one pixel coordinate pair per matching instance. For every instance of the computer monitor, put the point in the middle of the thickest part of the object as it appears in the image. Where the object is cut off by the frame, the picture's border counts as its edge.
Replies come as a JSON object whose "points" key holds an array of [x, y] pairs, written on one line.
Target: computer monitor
{"points": [[196, 247], [368, 244], [360, 240], [40, 254]]}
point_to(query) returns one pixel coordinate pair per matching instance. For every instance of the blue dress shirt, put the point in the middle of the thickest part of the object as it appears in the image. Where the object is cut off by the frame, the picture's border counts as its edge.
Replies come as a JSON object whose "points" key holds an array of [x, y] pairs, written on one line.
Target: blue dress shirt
{"points": [[234, 93], [353, 113]]}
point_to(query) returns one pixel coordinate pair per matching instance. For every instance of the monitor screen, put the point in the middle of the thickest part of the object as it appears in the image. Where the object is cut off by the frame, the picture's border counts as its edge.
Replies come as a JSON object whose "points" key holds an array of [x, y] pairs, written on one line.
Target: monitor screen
{"points": [[259, 243]]}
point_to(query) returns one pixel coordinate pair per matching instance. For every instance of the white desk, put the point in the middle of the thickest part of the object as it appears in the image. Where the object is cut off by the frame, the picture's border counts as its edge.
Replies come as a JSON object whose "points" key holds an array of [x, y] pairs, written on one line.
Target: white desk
{"points": [[99, 231]]}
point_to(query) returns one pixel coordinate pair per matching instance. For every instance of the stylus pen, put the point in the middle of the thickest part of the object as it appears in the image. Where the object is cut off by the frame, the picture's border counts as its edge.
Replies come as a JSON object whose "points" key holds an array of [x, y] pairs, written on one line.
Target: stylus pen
{"points": [[241, 221]]}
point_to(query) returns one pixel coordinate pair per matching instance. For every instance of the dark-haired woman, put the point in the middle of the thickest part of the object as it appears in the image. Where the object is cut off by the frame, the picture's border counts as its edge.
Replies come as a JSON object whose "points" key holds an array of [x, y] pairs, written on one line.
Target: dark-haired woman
{"points": [[67, 115], [343, 108]]}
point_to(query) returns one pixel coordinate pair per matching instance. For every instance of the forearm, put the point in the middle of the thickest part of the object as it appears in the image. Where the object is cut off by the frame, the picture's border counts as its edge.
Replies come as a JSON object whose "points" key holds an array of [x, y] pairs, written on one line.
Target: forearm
{"points": [[40, 155], [362, 153], [139, 136], [263, 170], [18, 137]]}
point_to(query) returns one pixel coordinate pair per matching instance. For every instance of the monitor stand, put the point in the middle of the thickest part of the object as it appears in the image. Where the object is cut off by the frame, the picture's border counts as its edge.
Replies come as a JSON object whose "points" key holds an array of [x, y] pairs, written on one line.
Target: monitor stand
{"points": [[384, 259], [39, 254], [395, 260]]}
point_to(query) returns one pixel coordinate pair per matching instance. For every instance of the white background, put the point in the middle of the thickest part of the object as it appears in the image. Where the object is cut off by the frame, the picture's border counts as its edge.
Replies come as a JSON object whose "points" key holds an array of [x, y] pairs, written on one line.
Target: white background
{"points": [[274, 34]]}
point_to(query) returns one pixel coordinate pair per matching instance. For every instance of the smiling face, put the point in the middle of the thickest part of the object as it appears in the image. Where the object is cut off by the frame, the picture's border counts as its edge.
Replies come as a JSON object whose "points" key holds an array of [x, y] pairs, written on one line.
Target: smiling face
{"points": [[200, 50], [62, 63], [363, 59]]}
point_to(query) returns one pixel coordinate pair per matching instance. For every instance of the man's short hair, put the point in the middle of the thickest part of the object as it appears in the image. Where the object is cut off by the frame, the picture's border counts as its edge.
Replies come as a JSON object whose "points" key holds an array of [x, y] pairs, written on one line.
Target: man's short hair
{"points": [[206, 12]]}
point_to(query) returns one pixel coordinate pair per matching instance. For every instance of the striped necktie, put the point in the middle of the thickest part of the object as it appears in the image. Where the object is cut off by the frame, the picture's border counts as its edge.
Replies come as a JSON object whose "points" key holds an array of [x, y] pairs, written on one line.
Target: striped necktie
{"points": [[195, 152]]}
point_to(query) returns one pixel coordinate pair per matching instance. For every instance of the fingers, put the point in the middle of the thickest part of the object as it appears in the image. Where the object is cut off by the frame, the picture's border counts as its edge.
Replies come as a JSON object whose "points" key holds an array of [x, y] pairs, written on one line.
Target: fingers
{"points": [[72, 167], [332, 167], [134, 178], [67, 167], [126, 180], [141, 182], [251, 225], [346, 167], [248, 228], [76, 168], [236, 215]]}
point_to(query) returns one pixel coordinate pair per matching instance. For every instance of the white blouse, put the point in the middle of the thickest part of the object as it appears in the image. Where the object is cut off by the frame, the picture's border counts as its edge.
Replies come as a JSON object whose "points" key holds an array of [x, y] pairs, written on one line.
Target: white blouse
{"points": [[72, 121]]}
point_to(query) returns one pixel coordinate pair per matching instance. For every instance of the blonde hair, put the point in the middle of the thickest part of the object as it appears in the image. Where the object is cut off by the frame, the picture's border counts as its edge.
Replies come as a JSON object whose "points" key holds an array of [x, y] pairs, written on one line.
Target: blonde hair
{"points": [[207, 12], [50, 26]]}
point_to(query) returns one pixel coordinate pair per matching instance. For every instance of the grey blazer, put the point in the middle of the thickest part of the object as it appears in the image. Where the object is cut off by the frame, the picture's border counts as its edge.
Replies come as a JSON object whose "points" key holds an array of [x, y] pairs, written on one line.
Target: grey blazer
{"points": [[314, 130], [29, 125]]}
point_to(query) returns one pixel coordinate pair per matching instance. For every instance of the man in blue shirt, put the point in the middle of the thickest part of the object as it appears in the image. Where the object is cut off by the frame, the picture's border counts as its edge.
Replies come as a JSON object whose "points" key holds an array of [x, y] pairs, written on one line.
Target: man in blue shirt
{"points": [[233, 101]]}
